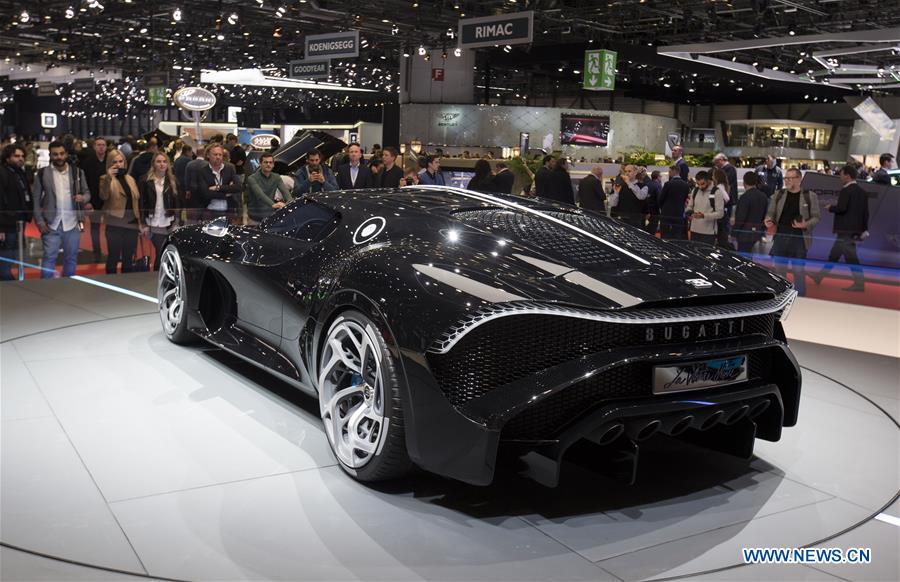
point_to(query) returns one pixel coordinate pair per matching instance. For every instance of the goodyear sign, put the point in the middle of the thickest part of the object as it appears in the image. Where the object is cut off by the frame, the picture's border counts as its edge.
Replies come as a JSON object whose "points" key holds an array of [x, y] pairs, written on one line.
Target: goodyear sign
{"points": [[309, 69], [514, 28]]}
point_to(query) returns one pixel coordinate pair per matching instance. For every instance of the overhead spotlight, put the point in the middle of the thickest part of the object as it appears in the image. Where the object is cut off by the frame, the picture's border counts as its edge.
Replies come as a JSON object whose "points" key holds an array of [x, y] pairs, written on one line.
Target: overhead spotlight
{"points": [[277, 32], [232, 18], [220, 37], [24, 17], [775, 68], [422, 50], [791, 32], [176, 15], [507, 49], [733, 59], [394, 30], [70, 13], [457, 52], [95, 5], [406, 51], [260, 2], [427, 57], [279, 12]]}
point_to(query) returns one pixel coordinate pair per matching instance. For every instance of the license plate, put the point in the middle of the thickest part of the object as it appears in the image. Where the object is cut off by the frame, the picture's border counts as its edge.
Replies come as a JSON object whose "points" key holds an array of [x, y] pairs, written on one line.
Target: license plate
{"points": [[698, 375]]}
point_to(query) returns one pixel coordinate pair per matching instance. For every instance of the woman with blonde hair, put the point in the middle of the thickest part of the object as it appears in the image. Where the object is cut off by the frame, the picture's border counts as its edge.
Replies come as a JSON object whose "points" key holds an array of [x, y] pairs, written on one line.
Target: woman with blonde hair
{"points": [[159, 202], [121, 199]]}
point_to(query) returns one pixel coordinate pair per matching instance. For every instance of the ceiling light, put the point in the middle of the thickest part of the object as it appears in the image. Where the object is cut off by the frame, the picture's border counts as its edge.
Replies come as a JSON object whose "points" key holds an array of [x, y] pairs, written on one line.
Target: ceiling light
{"points": [[791, 32], [143, 31], [279, 12], [406, 51], [775, 67], [232, 18], [220, 37], [457, 52], [422, 50], [24, 16], [176, 15], [70, 13]]}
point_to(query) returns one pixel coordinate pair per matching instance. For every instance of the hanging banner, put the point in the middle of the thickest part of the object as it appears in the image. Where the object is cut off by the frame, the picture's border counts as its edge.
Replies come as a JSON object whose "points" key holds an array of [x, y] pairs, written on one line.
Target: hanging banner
{"points": [[600, 70], [514, 28], [332, 45], [309, 69], [156, 97]]}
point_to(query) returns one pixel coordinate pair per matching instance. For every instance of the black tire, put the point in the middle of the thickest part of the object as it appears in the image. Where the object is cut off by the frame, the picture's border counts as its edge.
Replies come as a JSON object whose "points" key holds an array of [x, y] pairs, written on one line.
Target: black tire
{"points": [[390, 460], [170, 262]]}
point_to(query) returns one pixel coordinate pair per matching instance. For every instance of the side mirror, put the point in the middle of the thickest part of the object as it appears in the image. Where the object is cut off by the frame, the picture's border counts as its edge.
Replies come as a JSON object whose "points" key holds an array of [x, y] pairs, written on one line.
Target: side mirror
{"points": [[217, 227]]}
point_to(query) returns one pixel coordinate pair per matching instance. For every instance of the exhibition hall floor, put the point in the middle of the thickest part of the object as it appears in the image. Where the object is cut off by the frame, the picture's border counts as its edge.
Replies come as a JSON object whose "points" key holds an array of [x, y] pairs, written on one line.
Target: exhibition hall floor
{"points": [[125, 456]]}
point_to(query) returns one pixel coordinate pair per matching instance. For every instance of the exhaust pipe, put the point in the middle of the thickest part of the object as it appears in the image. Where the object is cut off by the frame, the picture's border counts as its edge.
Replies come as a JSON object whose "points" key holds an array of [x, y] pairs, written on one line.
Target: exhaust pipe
{"points": [[759, 407], [606, 434], [712, 420], [732, 415], [641, 430], [682, 425]]}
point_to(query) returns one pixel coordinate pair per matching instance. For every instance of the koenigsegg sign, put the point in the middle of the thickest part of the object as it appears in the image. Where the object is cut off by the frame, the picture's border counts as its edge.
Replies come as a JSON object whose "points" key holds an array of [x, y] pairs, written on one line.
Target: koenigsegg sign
{"points": [[515, 28], [332, 45], [194, 99]]}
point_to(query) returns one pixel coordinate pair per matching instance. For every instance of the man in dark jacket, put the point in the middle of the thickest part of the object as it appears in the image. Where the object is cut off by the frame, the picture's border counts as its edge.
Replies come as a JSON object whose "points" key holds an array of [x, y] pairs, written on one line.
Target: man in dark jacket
{"points": [[684, 169], [14, 199], [559, 186], [542, 177], [93, 164], [881, 176], [354, 174], [654, 188], [217, 185], [750, 214], [392, 174], [140, 165], [503, 179], [672, 201], [771, 178], [590, 191], [851, 220]]}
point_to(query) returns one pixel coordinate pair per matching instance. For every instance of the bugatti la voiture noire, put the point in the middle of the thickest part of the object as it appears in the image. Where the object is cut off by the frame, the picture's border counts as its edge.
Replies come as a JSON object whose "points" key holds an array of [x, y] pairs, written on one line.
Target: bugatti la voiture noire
{"points": [[444, 328]]}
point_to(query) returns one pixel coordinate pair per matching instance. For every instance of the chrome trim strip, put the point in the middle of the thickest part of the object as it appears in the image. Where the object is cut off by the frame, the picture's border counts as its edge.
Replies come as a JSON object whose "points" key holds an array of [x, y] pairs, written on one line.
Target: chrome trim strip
{"points": [[508, 204], [646, 316]]}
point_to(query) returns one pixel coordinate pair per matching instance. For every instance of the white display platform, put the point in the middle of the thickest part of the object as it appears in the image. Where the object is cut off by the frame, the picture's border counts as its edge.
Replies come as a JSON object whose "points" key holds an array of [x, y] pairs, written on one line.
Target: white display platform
{"points": [[125, 452]]}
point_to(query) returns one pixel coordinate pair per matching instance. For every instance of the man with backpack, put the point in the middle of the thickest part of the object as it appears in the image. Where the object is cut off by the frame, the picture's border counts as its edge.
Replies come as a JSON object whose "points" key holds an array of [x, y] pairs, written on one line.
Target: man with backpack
{"points": [[793, 212], [705, 207]]}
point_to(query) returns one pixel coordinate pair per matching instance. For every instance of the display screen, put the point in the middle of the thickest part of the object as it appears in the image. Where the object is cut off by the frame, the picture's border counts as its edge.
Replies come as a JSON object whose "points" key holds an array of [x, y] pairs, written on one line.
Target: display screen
{"points": [[584, 130], [457, 179]]}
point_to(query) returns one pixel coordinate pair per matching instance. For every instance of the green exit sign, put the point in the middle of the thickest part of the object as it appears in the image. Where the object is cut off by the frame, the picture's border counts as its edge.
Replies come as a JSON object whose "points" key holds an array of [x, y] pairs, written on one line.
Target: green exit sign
{"points": [[600, 70]]}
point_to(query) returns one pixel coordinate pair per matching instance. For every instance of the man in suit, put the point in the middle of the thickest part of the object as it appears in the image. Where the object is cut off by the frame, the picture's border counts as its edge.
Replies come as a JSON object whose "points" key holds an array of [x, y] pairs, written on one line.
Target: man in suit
{"points": [[542, 177], [140, 166], [93, 164], [193, 201], [391, 175], [672, 200], [590, 191], [15, 199], [851, 220], [750, 214], [217, 184], [503, 179], [60, 193], [881, 176], [683, 168], [354, 175], [771, 178], [431, 174]]}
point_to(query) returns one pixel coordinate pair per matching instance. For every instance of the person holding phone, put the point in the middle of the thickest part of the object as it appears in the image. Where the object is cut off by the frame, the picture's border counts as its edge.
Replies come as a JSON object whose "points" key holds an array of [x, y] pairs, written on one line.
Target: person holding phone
{"points": [[313, 177]]}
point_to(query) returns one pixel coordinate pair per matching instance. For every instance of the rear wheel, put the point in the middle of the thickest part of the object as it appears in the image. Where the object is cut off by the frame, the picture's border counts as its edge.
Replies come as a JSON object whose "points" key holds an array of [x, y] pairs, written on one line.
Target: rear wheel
{"points": [[171, 292], [359, 400]]}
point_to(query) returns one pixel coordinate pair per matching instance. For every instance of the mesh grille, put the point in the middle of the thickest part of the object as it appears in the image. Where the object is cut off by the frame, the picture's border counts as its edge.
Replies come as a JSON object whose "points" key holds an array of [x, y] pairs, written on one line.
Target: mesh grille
{"points": [[511, 348], [584, 251], [542, 233]]}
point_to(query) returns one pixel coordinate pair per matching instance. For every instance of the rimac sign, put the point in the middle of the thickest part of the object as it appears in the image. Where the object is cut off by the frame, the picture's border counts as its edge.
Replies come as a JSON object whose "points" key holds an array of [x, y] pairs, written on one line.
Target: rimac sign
{"points": [[310, 69], [332, 45], [515, 28]]}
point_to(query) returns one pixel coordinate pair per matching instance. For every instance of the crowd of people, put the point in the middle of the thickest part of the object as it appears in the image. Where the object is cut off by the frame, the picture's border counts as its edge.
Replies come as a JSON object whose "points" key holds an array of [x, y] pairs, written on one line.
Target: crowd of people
{"points": [[139, 190]]}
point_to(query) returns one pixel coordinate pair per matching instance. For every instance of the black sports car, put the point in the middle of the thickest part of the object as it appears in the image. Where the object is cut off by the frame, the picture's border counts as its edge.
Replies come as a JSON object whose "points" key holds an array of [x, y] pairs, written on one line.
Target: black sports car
{"points": [[445, 328]]}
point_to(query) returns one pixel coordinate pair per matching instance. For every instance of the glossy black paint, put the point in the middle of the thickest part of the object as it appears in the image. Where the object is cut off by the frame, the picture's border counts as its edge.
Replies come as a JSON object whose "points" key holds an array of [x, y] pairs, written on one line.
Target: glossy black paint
{"points": [[422, 269]]}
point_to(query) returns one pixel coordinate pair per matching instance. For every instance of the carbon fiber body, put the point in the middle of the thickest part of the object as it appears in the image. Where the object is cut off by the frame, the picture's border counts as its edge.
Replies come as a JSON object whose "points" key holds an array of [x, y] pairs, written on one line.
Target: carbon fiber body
{"points": [[514, 321]]}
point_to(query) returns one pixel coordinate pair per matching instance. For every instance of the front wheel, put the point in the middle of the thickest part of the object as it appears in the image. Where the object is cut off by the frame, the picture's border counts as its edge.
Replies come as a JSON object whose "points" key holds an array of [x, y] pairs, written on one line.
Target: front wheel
{"points": [[359, 400], [171, 292]]}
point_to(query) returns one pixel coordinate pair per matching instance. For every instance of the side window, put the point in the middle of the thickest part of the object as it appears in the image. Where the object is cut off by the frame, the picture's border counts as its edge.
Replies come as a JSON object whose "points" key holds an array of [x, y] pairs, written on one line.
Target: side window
{"points": [[304, 220]]}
